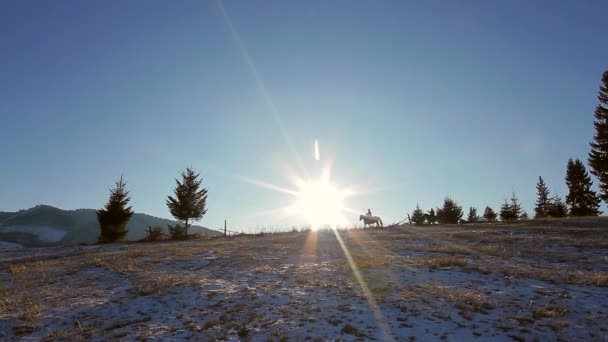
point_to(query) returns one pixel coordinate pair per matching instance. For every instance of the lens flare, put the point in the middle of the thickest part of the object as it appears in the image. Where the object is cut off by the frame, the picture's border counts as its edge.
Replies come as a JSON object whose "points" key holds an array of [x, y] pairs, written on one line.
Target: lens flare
{"points": [[320, 203]]}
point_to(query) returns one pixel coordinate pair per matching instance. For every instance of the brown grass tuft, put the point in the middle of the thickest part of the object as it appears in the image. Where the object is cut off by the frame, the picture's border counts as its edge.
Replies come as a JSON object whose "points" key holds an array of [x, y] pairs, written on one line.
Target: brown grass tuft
{"points": [[445, 261], [550, 311]]}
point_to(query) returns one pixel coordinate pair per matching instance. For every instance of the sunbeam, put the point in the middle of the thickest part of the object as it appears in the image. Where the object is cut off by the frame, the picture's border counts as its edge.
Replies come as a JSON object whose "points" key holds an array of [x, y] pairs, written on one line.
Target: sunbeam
{"points": [[380, 319], [259, 83]]}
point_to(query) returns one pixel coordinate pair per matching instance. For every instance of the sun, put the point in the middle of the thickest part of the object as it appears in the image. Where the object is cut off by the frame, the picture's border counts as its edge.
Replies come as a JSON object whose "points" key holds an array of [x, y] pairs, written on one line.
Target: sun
{"points": [[320, 203], [317, 201]]}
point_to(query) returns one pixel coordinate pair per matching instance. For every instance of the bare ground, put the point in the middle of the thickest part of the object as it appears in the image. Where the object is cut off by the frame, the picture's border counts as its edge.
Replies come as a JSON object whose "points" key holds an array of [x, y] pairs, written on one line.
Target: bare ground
{"points": [[543, 280]]}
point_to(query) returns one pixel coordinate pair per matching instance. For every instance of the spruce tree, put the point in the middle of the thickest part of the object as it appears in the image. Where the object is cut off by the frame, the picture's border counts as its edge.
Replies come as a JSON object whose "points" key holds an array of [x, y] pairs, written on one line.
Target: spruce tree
{"points": [[506, 214], [582, 200], [418, 216], [113, 218], [189, 203], [431, 217], [472, 217], [542, 201], [450, 213], [516, 209], [489, 215], [598, 157], [557, 207]]}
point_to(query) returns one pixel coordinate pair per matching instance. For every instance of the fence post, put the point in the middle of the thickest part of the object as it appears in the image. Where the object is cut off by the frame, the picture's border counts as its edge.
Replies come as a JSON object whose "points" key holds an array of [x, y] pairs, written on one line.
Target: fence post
{"points": [[225, 228]]}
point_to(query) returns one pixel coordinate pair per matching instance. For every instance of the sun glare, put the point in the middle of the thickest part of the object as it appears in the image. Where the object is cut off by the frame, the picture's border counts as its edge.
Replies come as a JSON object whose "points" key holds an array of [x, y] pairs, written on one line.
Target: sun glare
{"points": [[320, 203], [317, 201]]}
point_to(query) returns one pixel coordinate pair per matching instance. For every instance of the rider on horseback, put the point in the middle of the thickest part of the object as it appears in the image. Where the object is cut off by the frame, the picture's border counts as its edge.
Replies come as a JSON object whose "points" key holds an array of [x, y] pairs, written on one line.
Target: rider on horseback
{"points": [[369, 213]]}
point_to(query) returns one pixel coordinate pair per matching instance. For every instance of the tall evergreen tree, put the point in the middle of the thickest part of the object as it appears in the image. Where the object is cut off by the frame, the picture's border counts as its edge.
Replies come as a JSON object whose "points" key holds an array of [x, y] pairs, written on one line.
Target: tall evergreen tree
{"points": [[418, 215], [472, 217], [582, 200], [598, 157], [450, 213], [113, 218], [489, 215], [189, 203], [557, 207], [542, 201]]}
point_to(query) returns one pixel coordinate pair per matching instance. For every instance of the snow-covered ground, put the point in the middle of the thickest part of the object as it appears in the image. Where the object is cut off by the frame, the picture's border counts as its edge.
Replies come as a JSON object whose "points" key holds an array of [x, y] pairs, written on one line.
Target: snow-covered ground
{"points": [[490, 283]]}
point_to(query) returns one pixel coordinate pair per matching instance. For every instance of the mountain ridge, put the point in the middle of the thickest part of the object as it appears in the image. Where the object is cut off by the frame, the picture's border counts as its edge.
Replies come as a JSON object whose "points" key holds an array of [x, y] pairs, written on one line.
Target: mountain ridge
{"points": [[45, 225]]}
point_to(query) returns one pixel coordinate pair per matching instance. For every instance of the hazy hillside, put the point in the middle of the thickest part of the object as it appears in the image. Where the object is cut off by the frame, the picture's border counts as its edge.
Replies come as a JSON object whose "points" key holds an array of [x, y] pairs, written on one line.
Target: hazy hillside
{"points": [[47, 225]]}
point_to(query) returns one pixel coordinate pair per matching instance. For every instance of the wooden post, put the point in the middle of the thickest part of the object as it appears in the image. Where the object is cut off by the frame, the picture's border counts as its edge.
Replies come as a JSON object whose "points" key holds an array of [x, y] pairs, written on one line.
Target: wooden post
{"points": [[225, 228]]}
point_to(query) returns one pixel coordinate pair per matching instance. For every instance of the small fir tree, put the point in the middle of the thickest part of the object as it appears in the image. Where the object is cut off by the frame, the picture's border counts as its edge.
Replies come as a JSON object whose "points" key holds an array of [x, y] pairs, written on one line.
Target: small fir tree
{"points": [[418, 216], [506, 214], [450, 213], [489, 215], [178, 232], [472, 217], [113, 218], [516, 209], [431, 217], [557, 207], [155, 234]]}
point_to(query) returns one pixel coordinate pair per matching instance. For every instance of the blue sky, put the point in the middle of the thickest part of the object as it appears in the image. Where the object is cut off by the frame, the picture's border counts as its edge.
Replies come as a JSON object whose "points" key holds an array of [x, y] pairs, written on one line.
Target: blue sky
{"points": [[416, 99]]}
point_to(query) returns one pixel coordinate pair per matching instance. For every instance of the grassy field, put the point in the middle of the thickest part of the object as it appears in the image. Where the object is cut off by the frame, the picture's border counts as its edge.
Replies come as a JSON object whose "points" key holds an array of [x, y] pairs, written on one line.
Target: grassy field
{"points": [[544, 280]]}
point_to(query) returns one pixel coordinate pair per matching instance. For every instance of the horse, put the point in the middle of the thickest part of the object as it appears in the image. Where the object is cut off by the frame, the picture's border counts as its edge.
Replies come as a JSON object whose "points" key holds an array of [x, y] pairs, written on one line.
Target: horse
{"points": [[369, 220]]}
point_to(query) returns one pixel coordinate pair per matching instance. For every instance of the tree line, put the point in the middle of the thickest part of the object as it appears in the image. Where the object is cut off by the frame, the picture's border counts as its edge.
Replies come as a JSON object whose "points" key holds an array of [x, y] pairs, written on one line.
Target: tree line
{"points": [[187, 204], [580, 201]]}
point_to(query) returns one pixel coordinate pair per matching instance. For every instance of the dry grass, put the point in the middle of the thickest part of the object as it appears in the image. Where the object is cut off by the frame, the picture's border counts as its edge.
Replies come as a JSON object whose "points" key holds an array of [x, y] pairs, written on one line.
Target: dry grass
{"points": [[159, 283], [29, 267], [464, 299], [211, 323], [549, 311], [587, 278], [445, 261]]}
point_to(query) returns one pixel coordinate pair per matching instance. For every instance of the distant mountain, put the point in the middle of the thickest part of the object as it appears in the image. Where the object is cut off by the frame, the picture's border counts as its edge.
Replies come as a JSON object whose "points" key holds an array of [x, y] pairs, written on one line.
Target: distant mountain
{"points": [[45, 225]]}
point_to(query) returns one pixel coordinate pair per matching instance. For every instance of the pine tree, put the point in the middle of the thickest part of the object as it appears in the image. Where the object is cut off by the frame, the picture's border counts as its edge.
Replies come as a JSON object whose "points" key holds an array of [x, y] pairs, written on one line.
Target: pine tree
{"points": [[113, 218], [431, 217], [189, 203], [582, 200], [506, 214], [524, 216], [418, 216], [542, 201], [472, 217], [450, 213], [489, 214], [557, 207], [598, 157], [516, 209]]}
